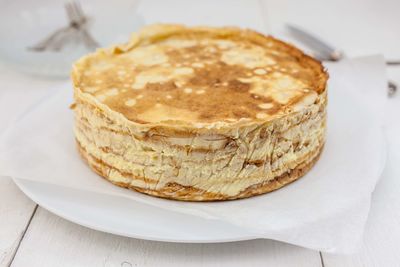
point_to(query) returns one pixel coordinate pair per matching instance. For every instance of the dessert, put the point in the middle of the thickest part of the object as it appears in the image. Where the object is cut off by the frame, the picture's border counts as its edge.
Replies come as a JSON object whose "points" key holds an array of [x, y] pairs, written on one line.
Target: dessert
{"points": [[200, 113]]}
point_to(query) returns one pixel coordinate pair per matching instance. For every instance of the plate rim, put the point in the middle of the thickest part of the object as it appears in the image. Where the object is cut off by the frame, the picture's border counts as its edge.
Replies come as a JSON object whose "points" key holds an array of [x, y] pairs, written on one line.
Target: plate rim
{"points": [[47, 206], [24, 187]]}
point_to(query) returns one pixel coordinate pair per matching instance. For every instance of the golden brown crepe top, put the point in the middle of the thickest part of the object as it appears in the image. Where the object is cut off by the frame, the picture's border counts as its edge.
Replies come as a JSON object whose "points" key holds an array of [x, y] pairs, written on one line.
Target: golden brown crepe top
{"points": [[172, 74]]}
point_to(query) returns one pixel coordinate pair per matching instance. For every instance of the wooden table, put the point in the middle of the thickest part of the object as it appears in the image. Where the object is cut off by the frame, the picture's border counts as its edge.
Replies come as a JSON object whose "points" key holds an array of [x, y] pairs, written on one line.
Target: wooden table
{"points": [[32, 236]]}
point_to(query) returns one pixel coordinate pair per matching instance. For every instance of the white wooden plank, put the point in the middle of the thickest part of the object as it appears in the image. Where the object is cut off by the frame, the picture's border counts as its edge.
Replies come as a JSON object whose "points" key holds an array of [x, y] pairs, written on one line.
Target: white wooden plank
{"points": [[15, 211], [382, 236], [52, 241], [359, 28], [17, 93]]}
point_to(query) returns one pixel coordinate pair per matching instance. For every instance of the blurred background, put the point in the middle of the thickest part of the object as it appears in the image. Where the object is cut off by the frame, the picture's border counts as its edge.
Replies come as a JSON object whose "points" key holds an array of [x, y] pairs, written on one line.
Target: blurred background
{"points": [[357, 27]]}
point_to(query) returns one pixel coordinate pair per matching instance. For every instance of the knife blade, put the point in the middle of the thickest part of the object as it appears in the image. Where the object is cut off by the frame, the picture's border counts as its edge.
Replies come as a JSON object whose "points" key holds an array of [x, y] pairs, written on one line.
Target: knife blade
{"points": [[324, 50]]}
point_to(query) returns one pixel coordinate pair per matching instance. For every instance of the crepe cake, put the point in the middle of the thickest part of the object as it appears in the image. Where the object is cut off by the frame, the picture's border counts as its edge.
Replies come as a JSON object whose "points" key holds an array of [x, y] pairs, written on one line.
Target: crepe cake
{"points": [[200, 113]]}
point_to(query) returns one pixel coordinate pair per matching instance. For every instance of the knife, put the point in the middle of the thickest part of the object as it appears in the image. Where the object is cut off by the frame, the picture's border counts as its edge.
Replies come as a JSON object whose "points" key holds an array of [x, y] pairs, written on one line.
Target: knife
{"points": [[323, 49], [325, 52]]}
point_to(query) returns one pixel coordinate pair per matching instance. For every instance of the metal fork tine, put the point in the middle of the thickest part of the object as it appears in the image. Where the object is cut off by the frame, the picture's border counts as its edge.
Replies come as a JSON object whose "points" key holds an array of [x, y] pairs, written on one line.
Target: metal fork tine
{"points": [[77, 20], [49, 42], [82, 17], [79, 10], [69, 12], [75, 12]]}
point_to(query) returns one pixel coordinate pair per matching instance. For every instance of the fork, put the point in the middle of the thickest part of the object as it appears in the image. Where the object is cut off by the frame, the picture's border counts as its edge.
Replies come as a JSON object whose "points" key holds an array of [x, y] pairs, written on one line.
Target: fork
{"points": [[77, 26], [78, 20]]}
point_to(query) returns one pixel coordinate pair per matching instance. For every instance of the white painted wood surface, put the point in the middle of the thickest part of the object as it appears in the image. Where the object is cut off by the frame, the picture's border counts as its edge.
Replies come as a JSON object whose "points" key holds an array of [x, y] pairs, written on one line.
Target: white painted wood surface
{"points": [[382, 236], [16, 211], [67, 244], [359, 27]]}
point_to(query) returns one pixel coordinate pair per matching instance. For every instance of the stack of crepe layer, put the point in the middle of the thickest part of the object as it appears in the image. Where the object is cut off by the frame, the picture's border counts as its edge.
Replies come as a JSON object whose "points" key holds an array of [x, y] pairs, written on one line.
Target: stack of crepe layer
{"points": [[200, 113]]}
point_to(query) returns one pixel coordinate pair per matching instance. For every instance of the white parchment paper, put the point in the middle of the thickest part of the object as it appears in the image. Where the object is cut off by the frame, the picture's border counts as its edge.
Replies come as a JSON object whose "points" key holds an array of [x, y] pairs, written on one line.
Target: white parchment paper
{"points": [[325, 210]]}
